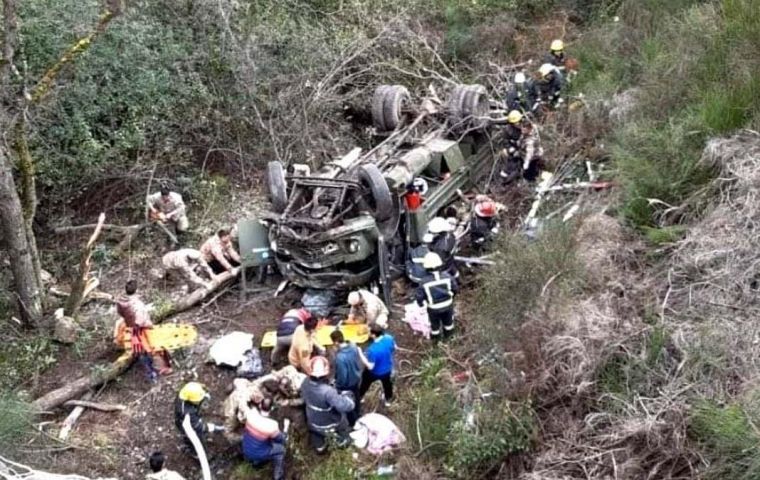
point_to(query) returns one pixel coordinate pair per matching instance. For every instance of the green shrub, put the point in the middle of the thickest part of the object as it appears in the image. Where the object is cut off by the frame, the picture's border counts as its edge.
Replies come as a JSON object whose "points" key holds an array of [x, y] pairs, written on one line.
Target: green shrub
{"points": [[510, 289], [16, 425], [729, 435], [23, 359], [500, 429]]}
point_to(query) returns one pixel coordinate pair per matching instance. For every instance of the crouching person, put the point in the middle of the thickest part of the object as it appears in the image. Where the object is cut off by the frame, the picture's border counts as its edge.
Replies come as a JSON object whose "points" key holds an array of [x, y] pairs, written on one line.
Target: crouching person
{"points": [[263, 441], [326, 409]]}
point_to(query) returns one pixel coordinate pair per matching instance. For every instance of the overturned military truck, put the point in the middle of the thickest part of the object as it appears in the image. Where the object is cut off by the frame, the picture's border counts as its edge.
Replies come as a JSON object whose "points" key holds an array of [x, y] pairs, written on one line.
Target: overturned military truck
{"points": [[350, 222]]}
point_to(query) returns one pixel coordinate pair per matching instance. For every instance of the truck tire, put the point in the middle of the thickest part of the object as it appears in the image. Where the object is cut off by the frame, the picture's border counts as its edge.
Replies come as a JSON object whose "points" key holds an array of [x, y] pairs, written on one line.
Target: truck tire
{"points": [[378, 102], [381, 202], [278, 194], [396, 99], [464, 103]]}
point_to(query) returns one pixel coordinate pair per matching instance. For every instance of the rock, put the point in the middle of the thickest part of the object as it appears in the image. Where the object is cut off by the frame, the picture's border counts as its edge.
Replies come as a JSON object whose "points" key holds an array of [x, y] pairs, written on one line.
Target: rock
{"points": [[47, 277], [66, 330]]}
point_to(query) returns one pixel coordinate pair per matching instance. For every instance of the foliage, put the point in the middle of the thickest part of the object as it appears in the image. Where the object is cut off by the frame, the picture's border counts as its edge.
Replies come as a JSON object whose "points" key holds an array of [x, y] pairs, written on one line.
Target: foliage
{"points": [[509, 290], [729, 434], [23, 359], [16, 419], [501, 428], [337, 465]]}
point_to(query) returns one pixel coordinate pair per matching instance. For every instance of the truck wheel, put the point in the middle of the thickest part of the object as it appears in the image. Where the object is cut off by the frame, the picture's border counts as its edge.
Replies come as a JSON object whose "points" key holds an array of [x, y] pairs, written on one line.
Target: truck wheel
{"points": [[278, 194], [476, 105], [381, 202], [455, 105], [378, 101], [466, 102], [396, 99]]}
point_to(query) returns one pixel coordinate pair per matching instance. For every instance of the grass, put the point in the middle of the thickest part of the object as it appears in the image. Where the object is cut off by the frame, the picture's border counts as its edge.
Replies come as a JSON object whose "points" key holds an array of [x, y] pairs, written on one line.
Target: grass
{"points": [[16, 420], [25, 358]]}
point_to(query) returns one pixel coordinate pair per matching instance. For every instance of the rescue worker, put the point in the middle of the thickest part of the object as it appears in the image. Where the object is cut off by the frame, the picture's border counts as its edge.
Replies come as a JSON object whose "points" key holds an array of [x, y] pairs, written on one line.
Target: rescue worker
{"points": [[156, 463], [282, 386], [379, 362], [548, 87], [436, 293], [263, 441], [484, 223], [522, 152], [285, 330], [185, 262], [219, 252], [556, 55], [304, 345], [168, 207], [325, 408], [187, 414], [349, 362], [444, 243], [366, 307], [531, 152], [521, 95], [414, 269], [136, 318]]}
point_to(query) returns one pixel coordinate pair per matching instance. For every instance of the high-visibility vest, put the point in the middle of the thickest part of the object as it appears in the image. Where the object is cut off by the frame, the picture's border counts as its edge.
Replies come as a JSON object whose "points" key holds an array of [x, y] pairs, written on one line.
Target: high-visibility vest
{"points": [[438, 292]]}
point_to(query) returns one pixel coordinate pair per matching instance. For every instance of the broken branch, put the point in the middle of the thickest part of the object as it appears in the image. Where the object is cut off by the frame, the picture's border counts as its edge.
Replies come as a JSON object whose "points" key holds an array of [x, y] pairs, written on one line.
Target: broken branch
{"points": [[102, 407]]}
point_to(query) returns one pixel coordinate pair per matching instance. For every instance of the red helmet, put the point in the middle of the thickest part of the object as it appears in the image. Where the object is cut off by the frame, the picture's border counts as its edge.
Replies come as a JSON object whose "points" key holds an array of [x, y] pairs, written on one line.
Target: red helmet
{"points": [[485, 209]]}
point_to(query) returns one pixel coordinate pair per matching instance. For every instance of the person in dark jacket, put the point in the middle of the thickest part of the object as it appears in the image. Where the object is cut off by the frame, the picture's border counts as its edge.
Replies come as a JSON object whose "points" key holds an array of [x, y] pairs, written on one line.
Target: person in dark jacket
{"points": [[348, 371], [414, 269], [326, 409], [556, 55], [549, 86], [511, 155], [436, 292], [187, 413], [484, 223], [263, 441], [287, 326], [444, 243], [521, 95]]}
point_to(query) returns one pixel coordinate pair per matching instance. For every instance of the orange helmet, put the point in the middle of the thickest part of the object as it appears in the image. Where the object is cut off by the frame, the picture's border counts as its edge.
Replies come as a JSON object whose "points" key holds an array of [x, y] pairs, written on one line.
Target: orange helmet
{"points": [[485, 209]]}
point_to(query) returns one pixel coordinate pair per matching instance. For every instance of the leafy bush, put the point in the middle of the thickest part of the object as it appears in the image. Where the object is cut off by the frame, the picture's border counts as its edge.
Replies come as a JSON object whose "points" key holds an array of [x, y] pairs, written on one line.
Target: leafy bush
{"points": [[25, 358]]}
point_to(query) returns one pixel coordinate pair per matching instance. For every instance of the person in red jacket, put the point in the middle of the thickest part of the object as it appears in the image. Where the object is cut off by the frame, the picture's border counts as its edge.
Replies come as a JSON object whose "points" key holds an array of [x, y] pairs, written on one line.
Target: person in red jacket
{"points": [[137, 319]]}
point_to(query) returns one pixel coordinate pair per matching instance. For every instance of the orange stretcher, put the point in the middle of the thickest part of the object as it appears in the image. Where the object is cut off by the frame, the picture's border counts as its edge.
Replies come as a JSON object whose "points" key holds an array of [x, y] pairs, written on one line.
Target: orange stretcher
{"points": [[167, 337], [352, 332]]}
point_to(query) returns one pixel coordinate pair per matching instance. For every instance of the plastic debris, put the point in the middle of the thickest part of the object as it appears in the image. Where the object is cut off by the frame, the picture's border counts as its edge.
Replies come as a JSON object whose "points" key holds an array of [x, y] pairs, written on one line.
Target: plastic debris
{"points": [[230, 349]]}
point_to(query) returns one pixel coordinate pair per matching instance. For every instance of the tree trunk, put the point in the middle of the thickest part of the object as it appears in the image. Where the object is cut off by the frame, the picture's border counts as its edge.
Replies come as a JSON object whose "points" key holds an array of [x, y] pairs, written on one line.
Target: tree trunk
{"points": [[27, 289]]}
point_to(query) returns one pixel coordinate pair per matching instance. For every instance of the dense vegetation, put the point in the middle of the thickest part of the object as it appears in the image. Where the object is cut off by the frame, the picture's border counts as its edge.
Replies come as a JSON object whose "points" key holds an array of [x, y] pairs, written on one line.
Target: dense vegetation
{"points": [[191, 88]]}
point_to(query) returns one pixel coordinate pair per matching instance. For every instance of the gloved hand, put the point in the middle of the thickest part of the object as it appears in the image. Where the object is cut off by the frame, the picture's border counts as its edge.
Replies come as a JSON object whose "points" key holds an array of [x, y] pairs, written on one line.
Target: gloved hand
{"points": [[512, 149]]}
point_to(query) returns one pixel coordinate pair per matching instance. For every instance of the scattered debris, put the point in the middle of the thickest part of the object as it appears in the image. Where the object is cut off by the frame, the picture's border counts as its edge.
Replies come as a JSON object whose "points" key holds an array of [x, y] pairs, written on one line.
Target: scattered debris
{"points": [[231, 349]]}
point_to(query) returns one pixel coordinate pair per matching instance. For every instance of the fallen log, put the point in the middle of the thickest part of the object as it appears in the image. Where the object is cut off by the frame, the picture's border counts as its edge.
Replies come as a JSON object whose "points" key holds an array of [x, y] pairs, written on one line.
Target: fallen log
{"points": [[10, 470], [90, 226], [82, 286], [101, 407], [105, 373]]}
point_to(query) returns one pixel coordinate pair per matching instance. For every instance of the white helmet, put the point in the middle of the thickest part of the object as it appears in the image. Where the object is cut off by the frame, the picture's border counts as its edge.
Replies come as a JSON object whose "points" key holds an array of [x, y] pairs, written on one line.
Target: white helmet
{"points": [[546, 69], [428, 238], [354, 298], [519, 77], [319, 367], [432, 261], [438, 225]]}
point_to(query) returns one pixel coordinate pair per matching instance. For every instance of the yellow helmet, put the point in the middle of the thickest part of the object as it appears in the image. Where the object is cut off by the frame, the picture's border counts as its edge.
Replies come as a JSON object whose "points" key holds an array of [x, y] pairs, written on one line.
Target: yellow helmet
{"points": [[193, 392], [546, 69], [514, 117], [557, 46]]}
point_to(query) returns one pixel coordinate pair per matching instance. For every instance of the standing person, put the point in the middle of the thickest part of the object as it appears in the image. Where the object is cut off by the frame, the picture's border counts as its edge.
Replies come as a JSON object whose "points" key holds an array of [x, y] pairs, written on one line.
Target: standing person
{"points": [[379, 363], [136, 317], [325, 408], [436, 292], [348, 371], [556, 55], [285, 330], [188, 420], [156, 462], [168, 207], [444, 243], [263, 441], [366, 307], [521, 94], [219, 252], [304, 345], [185, 262]]}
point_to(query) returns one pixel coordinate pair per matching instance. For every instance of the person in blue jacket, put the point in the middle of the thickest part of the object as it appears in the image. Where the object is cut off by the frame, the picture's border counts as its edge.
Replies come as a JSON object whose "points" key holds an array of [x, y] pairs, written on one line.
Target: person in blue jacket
{"points": [[263, 441], [379, 363]]}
